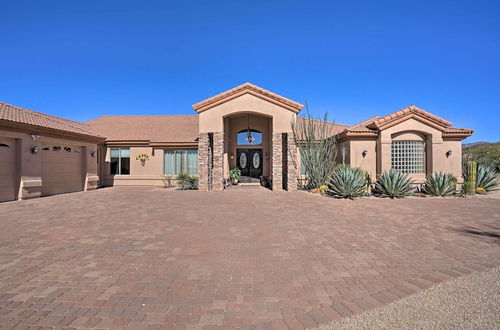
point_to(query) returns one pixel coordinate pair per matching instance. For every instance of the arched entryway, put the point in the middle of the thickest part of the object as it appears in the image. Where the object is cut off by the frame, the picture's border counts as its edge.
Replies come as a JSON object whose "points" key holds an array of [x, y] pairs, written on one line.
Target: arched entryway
{"points": [[248, 146], [247, 108]]}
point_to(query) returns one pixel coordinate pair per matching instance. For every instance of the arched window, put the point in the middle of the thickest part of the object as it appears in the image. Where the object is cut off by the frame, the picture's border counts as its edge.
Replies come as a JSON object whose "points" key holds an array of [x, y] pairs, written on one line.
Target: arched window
{"points": [[249, 137]]}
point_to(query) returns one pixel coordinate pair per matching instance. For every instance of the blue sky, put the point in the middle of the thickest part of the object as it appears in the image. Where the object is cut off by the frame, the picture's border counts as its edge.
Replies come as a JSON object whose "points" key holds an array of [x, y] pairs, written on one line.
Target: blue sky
{"points": [[354, 59]]}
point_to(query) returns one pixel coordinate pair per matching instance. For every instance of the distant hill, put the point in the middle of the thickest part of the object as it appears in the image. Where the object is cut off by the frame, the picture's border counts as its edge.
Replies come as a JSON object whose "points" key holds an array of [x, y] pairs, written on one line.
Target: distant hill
{"points": [[475, 144], [483, 153]]}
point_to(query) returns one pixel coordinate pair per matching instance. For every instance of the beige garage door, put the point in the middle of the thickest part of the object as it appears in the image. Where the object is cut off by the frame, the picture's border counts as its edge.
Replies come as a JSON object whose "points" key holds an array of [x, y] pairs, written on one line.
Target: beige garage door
{"points": [[61, 169], [7, 170]]}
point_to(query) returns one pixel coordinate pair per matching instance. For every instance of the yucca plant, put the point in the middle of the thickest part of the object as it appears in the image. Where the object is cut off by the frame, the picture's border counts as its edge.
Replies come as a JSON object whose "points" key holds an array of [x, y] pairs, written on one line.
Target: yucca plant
{"points": [[393, 184], [486, 177], [347, 182], [440, 184]]}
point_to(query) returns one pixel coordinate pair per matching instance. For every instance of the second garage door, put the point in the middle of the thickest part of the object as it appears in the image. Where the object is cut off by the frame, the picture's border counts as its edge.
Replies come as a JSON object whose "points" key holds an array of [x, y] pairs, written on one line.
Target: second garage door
{"points": [[7, 170], [61, 169]]}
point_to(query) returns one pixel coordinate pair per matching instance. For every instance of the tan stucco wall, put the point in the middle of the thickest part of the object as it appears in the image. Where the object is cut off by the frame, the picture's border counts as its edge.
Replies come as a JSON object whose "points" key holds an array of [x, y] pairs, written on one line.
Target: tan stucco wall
{"points": [[369, 161], [378, 157], [29, 166], [211, 120], [151, 174]]}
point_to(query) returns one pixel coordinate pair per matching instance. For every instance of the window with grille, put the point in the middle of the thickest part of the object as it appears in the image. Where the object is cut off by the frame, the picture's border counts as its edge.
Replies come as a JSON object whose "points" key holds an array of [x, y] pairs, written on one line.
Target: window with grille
{"points": [[408, 156]]}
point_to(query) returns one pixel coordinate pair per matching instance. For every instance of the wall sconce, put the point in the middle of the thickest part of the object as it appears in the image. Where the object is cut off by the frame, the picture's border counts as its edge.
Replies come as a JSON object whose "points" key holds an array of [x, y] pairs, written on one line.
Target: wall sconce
{"points": [[449, 152], [92, 154], [231, 156], [34, 150], [35, 137], [267, 156], [364, 153]]}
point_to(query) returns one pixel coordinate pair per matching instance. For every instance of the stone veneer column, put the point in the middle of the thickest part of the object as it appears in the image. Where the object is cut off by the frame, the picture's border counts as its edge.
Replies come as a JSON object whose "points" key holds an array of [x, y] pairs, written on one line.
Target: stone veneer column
{"points": [[277, 161], [203, 161], [292, 163], [218, 169]]}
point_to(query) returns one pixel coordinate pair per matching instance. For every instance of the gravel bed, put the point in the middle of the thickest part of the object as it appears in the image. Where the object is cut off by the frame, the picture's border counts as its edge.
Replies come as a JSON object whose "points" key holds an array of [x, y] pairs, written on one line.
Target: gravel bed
{"points": [[468, 302]]}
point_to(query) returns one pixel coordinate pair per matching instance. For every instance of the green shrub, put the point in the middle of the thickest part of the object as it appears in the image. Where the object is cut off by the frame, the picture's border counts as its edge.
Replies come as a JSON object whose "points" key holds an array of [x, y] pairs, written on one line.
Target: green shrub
{"points": [[486, 177], [187, 182], [440, 184], [347, 182], [467, 188], [393, 184]]}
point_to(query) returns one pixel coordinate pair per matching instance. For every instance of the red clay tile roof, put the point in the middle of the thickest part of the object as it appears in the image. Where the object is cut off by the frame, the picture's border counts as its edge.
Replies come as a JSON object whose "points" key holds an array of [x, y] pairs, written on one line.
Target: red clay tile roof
{"points": [[362, 126], [373, 124], [11, 113], [333, 128], [408, 110], [250, 87], [160, 129]]}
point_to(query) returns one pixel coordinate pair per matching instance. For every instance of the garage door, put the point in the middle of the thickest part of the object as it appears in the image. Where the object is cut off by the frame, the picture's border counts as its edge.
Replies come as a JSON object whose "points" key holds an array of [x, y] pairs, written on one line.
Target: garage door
{"points": [[7, 170], [61, 169]]}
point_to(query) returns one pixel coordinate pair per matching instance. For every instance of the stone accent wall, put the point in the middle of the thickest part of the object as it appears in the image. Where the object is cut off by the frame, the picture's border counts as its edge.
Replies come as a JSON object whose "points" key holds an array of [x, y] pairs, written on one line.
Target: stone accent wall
{"points": [[203, 161], [293, 165], [277, 161], [218, 162]]}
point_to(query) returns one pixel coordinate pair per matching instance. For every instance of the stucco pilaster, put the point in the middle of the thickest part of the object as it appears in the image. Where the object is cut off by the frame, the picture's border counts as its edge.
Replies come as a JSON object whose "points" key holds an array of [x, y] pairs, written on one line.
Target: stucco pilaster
{"points": [[277, 161]]}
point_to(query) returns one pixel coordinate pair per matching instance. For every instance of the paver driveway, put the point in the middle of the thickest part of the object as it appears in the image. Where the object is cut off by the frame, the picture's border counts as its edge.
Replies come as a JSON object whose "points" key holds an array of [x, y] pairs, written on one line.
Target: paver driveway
{"points": [[132, 257]]}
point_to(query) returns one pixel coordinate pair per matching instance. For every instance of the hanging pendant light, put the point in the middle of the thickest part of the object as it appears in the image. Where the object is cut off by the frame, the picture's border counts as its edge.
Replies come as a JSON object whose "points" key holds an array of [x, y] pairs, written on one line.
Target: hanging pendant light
{"points": [[249, 138]]}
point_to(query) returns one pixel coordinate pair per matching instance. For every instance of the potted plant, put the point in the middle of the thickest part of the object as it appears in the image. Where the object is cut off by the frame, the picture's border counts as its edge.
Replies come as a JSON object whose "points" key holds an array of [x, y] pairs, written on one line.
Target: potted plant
{"points": [[235, 174]]}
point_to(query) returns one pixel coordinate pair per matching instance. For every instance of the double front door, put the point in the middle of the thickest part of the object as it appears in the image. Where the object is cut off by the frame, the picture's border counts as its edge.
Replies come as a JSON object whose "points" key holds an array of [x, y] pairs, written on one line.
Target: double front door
{"points": [[249, 162]]}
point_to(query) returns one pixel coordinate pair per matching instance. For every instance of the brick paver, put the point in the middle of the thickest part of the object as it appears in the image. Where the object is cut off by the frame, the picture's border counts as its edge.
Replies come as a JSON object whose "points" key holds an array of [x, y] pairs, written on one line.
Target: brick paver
{"points": [[142, 257]]}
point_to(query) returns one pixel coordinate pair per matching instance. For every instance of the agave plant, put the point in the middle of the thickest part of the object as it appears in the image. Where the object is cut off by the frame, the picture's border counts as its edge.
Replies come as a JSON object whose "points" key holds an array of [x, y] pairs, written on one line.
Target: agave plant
{"points": [[347, 182], [393, 184], [486, 177], [440, 184]]}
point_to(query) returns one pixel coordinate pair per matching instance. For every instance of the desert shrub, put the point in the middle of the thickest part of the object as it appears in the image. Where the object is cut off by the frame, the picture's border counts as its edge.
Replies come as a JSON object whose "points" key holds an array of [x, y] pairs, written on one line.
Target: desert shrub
{"points": [[347, 182], [480, 191], [393, 184], [440, 184], [467, 188], [318, 148], [486, 177], [187, 182]]}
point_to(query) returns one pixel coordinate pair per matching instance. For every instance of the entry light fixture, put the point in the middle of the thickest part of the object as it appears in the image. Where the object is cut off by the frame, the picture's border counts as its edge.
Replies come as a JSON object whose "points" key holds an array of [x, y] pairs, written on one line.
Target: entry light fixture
{"points": [[249, 138], [449, 152], [92, 154], [364, 153], [34, 150]]}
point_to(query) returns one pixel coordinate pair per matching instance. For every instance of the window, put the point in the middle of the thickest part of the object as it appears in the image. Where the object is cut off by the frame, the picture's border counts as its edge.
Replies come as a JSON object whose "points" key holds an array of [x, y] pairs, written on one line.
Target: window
{"points": [[181, 161], [120, 161], [243, 139], [408, 156]]}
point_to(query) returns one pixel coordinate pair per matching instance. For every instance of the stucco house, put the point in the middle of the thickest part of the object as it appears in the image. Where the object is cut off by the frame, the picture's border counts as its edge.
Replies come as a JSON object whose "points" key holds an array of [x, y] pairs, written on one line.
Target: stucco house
{"points": [[246, 127]]}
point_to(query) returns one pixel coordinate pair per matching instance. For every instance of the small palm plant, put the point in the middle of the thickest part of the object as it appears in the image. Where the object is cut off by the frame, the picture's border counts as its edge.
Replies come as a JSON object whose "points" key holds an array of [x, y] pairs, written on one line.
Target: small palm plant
{"points": [[393, 184], [347, 182], [440, 184], [486, 177]]}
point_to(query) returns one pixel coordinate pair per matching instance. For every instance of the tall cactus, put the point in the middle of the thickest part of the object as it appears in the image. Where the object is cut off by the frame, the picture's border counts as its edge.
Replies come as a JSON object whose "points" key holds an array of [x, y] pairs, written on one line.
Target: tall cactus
{"points": [[368, 189], [472, 173]]}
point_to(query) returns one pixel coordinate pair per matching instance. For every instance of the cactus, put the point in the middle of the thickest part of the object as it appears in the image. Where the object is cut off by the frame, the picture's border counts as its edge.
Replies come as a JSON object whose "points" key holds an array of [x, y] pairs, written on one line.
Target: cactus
{"points": [[472, 173], [368, 189]]}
